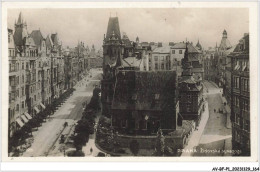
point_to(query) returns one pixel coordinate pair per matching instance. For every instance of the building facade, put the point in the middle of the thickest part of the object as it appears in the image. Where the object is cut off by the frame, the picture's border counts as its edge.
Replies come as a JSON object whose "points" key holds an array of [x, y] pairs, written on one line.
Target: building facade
{"points": [[191, 101], [240, 97], [38, 68]]}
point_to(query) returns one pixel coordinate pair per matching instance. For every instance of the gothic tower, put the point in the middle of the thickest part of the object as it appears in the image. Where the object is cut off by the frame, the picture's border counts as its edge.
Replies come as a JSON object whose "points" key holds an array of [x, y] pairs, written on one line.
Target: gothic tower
{"points": [[20, 32], [112, 47], [112, 56], [186, 64]]}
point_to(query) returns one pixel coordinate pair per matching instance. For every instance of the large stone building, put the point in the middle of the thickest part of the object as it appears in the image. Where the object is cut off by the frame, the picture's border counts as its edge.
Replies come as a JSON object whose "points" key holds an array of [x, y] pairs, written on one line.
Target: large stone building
{"points": [[112, 56], [209, 72], [240, 97], [145, 101], [13, 111], [222, 51], [37, 72], [190, 92], [161, 59]]}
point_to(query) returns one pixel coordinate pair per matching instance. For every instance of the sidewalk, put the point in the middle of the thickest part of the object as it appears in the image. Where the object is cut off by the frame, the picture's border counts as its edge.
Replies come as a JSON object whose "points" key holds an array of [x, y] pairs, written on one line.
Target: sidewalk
{"points": [[196, 135], [227, 111], [91, 143]]}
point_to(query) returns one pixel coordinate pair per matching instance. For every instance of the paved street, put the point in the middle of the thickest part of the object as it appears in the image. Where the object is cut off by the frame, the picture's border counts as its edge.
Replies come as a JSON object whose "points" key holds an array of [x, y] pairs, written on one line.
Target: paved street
{"points": [[47, 144], [216, 137]]}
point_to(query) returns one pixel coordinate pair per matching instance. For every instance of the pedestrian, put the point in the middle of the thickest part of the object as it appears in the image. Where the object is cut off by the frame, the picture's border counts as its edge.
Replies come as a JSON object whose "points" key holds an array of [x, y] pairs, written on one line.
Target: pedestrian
{"points": [[214, 110], [91, 150]]}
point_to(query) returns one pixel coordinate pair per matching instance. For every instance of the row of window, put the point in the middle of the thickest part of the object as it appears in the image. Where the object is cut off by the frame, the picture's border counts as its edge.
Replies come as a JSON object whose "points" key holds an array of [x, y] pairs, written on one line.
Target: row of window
{"points": [[238, 138], [11, 53], [180, 51], [243, 123]]}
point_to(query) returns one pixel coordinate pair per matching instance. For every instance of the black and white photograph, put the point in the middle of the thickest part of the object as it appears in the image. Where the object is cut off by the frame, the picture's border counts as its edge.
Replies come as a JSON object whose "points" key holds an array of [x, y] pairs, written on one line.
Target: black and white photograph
{"points": [[129, 82]]}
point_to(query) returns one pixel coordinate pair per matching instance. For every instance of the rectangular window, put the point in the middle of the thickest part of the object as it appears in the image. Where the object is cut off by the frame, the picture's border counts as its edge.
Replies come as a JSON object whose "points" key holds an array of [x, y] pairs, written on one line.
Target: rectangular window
{"points": [[156, 58], [162, 66], [22, 91], [156, 66], [236, 82], [238, 120], [17, 80], [173, 51], [123, 123], [236, 101], [246, 107], [22, 104], [180, 51], [246, 84]]}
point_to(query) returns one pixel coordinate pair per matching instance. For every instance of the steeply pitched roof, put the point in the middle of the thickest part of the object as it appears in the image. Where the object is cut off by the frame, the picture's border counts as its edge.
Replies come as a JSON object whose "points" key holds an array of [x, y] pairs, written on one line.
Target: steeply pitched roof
{"points": [[113, 27], [20, 19], [182, 45], [145, 90], [244, 42], [131, 62], [164, 49], [37, 37], [49, 42], [54, 38], [198, 45], [188, 83]]}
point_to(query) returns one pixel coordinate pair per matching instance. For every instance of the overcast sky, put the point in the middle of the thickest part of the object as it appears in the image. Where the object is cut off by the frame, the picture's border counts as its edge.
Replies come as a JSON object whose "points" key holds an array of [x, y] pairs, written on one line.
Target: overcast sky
{"points": [[157, 25]]}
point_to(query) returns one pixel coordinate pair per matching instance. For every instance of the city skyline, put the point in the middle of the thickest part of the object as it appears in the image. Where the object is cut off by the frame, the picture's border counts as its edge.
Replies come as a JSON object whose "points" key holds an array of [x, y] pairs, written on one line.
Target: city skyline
{"points": [[176, 24]]}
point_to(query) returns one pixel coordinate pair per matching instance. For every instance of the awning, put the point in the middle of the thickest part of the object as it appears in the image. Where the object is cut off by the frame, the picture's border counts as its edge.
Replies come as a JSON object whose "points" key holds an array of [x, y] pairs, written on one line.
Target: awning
{"points": [[19, 121], [27, 115], [37, 110], [42, 105], [24, 118]]}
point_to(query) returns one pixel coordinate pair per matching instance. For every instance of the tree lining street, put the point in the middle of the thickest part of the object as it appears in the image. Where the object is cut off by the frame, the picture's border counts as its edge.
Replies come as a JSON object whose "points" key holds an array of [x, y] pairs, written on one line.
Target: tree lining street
{"points": [[71, 111]]}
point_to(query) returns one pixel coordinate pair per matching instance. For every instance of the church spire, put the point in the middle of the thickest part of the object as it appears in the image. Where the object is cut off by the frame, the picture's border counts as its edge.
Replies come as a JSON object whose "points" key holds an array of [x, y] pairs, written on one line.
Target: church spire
{"points": [[224, 34], [20, 19], [186, 53]]}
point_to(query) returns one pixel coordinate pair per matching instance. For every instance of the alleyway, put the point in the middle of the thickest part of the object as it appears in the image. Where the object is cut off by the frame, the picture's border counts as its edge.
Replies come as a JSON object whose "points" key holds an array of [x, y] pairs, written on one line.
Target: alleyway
{"points": [[216, 137], [71, 111]]}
